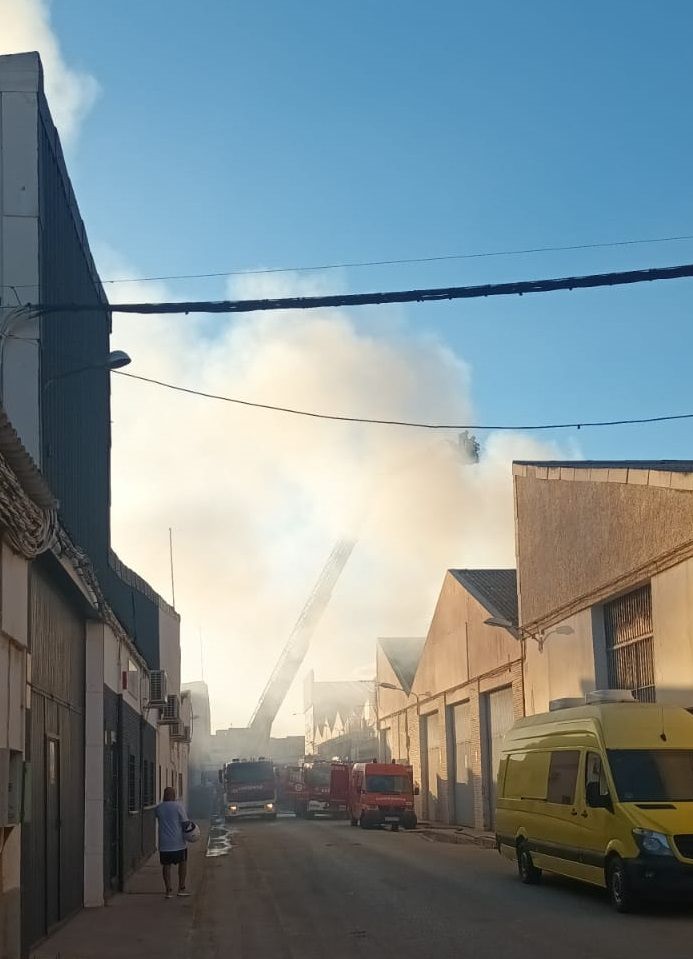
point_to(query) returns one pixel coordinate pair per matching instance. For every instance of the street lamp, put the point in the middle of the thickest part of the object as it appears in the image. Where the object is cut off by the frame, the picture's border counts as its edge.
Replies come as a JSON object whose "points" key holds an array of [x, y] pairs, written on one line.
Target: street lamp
{"points": [[539, 637], [117, 359]]}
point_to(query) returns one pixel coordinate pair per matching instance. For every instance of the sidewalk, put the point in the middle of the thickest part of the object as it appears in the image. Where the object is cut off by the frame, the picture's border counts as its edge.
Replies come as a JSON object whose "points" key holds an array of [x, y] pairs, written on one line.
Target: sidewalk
{"points": [[462, 835], [137, 923]]}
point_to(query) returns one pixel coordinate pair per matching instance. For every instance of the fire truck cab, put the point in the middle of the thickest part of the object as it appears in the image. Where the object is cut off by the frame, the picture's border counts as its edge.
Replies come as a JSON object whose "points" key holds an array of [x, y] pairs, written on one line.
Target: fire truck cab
{"points": [[382, 794], [249, 789], [321, 787]]}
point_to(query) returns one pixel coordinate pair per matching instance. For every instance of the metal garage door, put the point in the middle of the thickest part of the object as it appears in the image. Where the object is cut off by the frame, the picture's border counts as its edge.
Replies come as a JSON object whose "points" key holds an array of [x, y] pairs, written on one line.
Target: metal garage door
{"points": [[462, 754], [53, 835], [431, 744], [498, 718]]}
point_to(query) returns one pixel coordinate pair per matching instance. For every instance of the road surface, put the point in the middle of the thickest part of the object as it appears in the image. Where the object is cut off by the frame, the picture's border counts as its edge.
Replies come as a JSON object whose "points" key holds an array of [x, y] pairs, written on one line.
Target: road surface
{"points": [[296, 889]]}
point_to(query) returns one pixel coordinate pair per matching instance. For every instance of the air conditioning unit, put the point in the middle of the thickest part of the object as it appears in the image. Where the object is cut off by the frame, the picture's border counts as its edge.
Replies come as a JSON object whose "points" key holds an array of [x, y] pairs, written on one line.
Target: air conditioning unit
{"points": [[568, 702], [157, 688], [170, 714], [180, 733], [598, 696]]}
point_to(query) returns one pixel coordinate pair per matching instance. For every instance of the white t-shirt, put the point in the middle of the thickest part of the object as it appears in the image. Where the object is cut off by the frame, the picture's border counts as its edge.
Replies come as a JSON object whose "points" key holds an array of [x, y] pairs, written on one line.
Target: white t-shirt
{"points": [[170, 815]]}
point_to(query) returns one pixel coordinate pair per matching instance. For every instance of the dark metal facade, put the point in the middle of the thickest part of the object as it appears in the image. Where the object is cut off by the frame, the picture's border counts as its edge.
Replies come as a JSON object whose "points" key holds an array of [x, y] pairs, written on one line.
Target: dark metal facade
{"points": [[75, 392], [137, 825], [629, 643], [53, 835]]}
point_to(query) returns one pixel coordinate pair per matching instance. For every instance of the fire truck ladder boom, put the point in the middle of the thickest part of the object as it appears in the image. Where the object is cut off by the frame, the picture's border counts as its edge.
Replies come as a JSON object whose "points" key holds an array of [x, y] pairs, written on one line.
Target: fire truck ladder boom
{"points": [[297, 645]]}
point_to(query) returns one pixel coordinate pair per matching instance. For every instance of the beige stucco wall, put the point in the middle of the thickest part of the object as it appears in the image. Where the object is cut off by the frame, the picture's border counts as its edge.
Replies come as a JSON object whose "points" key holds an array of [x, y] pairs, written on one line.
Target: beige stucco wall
{"points": [[565, 667], [584, 538], [672, 619], [388, 701], [459, 644]]}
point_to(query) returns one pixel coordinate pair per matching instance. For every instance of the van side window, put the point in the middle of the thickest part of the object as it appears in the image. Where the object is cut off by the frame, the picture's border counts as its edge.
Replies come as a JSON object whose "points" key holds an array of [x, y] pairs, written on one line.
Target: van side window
{"points": [[563, 773], [594, 773]]}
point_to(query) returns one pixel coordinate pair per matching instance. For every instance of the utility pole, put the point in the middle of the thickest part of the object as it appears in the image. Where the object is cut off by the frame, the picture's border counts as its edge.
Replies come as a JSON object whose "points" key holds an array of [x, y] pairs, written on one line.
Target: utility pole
{"points": [[170, 552]]}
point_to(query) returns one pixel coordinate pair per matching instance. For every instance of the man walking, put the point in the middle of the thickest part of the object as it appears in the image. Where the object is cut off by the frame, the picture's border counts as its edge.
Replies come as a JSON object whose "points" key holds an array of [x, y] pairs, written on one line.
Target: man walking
{"points": [[170, 816]]}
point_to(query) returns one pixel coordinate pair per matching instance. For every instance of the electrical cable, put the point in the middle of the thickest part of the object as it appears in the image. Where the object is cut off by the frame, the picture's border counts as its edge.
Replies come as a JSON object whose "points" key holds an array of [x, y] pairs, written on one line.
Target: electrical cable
{"points": [[408, 423], [403, 261], [518, 288]]}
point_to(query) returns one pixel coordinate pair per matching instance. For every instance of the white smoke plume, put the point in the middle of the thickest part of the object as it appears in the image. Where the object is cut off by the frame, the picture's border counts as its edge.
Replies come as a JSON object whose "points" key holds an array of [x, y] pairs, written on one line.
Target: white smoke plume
{"points": [[256, 499], [25, 26]]}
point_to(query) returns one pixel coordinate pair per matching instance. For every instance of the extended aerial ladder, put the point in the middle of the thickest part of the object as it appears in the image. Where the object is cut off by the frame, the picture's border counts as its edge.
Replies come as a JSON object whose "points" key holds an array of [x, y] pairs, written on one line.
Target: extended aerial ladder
{"points": [[297, 645]]}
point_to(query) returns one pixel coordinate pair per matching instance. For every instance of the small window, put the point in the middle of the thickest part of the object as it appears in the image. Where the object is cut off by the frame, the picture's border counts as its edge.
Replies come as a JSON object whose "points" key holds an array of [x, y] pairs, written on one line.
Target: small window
{"points": [[563, 773], [132, 683], [148, 798], [594, 773], [132, 784]]}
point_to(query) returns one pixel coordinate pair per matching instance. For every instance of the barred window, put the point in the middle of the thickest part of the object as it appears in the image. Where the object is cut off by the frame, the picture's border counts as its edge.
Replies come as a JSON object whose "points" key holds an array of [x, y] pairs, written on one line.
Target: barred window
{"points": [[629, 643], [133, 805]]}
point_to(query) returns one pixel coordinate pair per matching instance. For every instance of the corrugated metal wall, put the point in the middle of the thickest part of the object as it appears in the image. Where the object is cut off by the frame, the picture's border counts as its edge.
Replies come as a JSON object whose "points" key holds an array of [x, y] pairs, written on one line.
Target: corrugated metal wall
{"points": [[53, 838], [75, 408], [76, 418]]}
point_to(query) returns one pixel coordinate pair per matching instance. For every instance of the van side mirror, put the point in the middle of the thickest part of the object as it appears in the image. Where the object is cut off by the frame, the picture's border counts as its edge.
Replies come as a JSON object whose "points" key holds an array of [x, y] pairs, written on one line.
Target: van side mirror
{"points": [[221, 775], [596, 799], [416, 790]]}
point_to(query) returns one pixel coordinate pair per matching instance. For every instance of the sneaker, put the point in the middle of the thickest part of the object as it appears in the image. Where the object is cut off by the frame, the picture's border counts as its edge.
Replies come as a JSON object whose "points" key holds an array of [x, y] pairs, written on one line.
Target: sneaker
{"points": [[169, 895], [183, 894]]}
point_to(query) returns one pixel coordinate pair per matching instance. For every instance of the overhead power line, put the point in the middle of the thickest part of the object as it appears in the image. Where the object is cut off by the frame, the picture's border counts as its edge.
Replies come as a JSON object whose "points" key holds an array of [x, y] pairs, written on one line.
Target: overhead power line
{"points": [[590, 281], [418, 425], [402, 261]]}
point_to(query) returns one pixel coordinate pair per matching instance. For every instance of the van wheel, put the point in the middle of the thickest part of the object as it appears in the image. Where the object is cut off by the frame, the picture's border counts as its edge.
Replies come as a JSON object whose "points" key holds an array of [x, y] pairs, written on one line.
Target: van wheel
{"points": [[621, 894], [395, 827], [529, 874]]}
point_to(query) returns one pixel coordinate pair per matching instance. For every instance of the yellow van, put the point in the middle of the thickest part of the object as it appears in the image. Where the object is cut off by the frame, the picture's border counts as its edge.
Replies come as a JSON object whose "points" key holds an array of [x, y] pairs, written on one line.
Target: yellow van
{"points": [[601, 792]]}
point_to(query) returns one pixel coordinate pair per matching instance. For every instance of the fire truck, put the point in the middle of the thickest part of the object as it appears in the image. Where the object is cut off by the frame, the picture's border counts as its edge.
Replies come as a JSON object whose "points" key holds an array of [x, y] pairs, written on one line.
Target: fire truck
{"points": [[320, 786], [249, 789], [382, 794]]}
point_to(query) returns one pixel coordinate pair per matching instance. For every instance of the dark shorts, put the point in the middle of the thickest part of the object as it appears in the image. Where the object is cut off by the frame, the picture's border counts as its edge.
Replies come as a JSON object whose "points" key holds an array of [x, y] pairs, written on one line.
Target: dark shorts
{"points": [[173, 858]]}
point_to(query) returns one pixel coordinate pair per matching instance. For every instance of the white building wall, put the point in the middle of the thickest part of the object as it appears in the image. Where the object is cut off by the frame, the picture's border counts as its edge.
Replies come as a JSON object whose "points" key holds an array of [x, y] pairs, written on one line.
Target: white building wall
{"points": [[19, 244], [672, 620], [172, 756], [96, 642]]}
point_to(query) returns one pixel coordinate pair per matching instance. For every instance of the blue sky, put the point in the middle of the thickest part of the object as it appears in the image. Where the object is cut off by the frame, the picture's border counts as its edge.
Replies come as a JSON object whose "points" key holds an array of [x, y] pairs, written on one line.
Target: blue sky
{"points": [[280, 134]]}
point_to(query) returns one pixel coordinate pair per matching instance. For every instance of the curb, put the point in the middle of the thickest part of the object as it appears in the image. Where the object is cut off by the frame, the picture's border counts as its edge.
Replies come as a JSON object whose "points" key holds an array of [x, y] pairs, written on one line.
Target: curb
{"points": [[457, 837]]}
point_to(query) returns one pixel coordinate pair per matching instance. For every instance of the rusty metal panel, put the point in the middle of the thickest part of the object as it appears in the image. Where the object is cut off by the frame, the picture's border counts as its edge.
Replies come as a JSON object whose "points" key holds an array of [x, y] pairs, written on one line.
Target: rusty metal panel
{"points": [[57, 633]]}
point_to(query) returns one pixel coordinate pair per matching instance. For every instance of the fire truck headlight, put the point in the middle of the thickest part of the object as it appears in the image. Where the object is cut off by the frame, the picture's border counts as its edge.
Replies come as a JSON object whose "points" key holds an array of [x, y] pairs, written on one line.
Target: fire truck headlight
{"points": [[233, 808], [269, 806]]}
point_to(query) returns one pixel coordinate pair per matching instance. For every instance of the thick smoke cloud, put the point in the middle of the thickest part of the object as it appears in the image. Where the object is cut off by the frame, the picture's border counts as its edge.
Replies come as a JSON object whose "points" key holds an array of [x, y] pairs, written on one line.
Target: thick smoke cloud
{"points": [[25, 26], [256, 499]]}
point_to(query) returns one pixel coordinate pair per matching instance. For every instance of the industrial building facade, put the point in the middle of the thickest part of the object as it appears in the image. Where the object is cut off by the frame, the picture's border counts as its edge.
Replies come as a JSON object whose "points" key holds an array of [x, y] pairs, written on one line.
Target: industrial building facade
{"points": [[605, 578], [449, 717]]}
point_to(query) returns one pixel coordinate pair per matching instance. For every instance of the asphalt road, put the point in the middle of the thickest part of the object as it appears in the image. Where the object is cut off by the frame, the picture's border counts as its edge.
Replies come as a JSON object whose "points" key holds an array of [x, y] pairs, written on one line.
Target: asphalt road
{"points": [[296, 889]]}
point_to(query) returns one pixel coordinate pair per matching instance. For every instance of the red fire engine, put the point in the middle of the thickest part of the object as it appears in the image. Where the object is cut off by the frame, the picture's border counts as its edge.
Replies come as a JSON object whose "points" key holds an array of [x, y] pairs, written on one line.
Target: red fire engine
{"points": [[319, 786], [382, 794]]}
